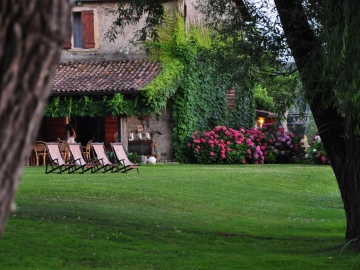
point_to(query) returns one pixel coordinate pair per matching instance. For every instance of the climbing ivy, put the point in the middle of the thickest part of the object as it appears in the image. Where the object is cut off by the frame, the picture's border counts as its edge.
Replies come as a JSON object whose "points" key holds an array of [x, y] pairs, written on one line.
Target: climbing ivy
{"points": [[93, 106]]}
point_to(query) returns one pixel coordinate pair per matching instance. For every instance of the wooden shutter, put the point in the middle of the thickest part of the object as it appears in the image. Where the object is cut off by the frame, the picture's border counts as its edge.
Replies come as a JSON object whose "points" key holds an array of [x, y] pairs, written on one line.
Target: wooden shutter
{"points": [[111, 127], [67, 44], [87, 22]]}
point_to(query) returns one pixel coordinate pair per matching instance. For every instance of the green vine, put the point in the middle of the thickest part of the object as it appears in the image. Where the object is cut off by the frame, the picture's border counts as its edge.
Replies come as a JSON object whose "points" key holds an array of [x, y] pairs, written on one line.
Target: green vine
{"points": [[200, 100], [92, 106]]}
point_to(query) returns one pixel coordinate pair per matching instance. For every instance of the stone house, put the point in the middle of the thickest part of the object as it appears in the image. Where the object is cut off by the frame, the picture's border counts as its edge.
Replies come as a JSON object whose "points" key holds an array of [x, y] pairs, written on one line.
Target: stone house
{"points": [[92, 66]]}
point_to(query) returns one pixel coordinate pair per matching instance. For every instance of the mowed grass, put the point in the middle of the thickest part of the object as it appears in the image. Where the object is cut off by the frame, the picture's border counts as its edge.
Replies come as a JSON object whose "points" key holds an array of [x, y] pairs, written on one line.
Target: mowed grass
{"points": [[179, 217]]}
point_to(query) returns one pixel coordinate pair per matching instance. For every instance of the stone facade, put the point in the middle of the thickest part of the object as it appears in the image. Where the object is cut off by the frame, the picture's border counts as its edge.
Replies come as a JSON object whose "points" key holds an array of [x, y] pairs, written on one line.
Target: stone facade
{"points": [[159, 127], [104, 49]]}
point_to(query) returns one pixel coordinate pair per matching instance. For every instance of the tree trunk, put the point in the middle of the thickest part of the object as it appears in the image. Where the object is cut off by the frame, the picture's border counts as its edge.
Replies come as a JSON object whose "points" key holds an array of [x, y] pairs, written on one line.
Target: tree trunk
{"points": [[31, 34], [336, 132]]}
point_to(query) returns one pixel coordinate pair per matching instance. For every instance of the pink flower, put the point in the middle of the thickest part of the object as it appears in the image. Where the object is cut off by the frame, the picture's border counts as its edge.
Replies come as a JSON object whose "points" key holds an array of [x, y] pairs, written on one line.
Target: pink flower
{"points": [[189, 144], [211, 153], [228, 149], [196, 133], [227, 142], [223, 128], [243, 161]]}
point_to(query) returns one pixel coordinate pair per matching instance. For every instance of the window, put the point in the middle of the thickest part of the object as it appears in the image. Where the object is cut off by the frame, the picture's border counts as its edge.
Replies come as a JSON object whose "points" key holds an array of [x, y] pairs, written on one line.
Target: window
{"points": [[83, 31]]}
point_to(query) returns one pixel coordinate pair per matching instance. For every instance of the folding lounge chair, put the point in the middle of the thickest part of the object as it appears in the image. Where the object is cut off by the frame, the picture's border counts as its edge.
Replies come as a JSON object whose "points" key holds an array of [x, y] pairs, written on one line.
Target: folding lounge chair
{"points": [[56, 160], [78, 160], [104, 162], [122, 158]]}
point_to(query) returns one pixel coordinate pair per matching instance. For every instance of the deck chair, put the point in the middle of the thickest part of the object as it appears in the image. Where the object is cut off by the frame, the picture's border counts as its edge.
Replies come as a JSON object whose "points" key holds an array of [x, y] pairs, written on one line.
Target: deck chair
{"points": [[104, 163], [56, 160], [122, 158], [76, 158]]}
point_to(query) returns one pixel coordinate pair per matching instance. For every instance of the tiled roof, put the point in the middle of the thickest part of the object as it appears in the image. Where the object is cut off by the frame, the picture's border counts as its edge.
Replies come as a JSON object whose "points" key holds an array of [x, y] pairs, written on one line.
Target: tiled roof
{"points": [[103, 77]]}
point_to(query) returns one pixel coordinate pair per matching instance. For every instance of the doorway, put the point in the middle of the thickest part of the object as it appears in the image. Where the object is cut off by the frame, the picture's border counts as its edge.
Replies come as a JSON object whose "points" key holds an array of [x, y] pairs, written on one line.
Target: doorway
{"points": [[89, 128]]}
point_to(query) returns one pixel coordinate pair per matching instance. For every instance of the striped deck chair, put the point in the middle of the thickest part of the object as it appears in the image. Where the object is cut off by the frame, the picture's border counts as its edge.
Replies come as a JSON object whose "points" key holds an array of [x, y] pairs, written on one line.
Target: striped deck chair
{"points": [[56, 160], [104, 162], [76, 158], [122, 158]]}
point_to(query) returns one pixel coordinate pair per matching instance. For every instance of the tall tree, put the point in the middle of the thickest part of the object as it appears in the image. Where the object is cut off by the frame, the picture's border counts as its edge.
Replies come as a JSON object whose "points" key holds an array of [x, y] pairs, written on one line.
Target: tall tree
{"points": [[322, 36], [31, 34]]}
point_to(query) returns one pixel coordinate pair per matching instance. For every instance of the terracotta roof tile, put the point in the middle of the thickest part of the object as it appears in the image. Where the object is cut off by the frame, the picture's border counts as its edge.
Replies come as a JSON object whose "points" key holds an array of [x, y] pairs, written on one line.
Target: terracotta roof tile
{"points": [[106, 76]]}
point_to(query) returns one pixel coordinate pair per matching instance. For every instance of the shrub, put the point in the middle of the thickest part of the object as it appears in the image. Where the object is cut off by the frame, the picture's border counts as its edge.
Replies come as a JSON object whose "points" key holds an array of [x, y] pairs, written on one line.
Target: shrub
{"points": [[287, 147], [134, 157], [252, 146], [316, 152], [220, 145]]}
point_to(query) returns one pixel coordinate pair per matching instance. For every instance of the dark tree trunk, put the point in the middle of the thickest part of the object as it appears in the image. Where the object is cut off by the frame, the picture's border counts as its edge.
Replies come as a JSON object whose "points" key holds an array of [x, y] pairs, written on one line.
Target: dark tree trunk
{"points": [[338, 137], [31, 34]]}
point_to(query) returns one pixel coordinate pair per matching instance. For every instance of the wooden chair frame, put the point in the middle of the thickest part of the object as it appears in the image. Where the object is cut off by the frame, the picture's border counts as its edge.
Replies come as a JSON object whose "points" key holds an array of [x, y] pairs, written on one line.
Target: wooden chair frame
{"points": [[55, 159], [99, 153], [122, 158], [76, 158]]}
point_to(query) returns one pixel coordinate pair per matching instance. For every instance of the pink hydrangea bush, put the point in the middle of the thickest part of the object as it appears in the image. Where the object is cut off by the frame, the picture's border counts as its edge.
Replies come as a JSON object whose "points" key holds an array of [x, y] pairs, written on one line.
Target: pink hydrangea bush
{"points": [[253, 146], [220, 145]]}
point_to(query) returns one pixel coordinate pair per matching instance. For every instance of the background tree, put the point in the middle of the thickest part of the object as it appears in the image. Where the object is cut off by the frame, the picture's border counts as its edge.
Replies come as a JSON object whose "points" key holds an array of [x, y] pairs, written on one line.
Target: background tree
{"points": [[31, 34]]}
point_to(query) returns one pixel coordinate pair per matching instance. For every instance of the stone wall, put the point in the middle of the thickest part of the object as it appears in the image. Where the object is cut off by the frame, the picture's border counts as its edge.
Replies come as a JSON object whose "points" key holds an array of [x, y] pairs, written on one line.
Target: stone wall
{"points": [[122, 47], [159, 128], [104, 49]]}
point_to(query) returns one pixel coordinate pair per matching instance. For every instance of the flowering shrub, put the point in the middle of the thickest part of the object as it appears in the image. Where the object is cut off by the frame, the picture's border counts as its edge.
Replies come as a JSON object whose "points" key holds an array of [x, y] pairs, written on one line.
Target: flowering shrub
{"points": [[227, 145], [220, 145], [287, 147], [316, 152]]}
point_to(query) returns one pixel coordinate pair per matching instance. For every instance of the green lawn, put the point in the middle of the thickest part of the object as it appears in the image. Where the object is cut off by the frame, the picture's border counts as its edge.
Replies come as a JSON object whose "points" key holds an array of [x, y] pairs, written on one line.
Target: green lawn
{"points": [[179, 217]]}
